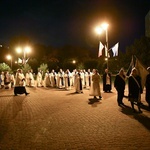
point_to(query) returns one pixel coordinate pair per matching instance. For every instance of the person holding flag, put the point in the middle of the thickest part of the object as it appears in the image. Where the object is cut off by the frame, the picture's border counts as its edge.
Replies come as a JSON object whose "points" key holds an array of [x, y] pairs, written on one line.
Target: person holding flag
{"points": [[135, 89], [119, 84]]}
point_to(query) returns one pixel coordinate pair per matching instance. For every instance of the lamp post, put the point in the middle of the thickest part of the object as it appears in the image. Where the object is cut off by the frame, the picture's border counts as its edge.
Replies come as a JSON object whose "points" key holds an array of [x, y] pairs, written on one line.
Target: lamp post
{"points": [[9, 57], [23, 50], [99, 30], [105, 27]]}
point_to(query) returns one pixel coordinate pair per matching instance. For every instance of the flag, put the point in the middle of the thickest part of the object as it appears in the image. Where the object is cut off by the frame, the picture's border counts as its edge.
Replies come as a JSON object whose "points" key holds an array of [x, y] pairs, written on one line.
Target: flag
{"points": [[142, 72], [131, 66], [20, 60], [27, 60], [101, 46], [106, 51], [115, 49]]}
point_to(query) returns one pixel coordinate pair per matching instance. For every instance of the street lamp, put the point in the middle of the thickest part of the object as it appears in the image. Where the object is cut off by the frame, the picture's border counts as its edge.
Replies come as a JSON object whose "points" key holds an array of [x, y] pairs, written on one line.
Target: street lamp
{"points": [[99, 30], [9, 57], [73, 61], [24, 50]]}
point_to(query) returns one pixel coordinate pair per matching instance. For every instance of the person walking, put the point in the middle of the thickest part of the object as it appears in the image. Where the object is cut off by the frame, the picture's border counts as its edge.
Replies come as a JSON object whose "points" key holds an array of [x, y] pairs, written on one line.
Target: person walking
{"points": [[135, 89], [60, 79], [95, 85], [119, 84], [20, 83], [67, 78], [47, 81], [78, 82], [147, 95], [107, 81], [39, 78]]}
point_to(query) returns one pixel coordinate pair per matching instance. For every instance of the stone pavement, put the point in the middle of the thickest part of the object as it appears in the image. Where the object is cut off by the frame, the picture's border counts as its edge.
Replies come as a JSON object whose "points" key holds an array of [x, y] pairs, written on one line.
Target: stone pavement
{"points": [[54, 119]]}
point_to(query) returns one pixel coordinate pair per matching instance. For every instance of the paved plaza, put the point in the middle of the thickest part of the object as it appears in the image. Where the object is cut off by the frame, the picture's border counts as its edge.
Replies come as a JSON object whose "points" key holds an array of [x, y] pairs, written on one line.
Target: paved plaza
{"points": [[55, 119]]}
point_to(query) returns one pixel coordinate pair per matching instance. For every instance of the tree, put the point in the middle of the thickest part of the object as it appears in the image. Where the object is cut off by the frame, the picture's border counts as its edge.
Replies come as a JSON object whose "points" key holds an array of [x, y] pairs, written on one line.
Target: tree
{"points": [[25, 68], [4, 67], [141, 49], [43, 67]]}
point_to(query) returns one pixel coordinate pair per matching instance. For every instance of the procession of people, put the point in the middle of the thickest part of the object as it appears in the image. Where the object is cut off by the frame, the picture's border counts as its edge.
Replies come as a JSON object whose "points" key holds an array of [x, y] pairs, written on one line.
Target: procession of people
{"points": [[78, 80]]}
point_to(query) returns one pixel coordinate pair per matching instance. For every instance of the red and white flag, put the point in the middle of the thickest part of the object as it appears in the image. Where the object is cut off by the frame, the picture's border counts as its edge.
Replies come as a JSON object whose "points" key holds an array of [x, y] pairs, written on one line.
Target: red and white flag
{"points": [[101, 46], [115, 49]]}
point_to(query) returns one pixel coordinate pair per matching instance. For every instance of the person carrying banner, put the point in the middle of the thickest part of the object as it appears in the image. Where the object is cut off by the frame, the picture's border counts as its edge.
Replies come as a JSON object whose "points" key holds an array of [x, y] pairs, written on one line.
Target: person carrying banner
{"points": [[119, 84], [135, 89]]}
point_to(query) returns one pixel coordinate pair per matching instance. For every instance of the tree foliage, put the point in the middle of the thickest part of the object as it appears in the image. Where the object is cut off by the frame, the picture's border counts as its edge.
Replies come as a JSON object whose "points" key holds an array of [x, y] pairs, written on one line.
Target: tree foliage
{"points": [[4, 67]]}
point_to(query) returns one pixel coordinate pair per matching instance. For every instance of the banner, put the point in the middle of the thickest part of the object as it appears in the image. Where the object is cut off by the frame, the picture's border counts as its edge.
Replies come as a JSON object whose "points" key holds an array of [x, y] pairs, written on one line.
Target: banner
{"points": [[101, 46], [142, 72]]}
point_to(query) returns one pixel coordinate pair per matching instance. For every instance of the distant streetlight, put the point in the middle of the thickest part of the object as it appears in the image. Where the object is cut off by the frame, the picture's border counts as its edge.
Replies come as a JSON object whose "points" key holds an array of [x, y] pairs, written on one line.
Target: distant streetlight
{"points": [[73, 61], [24, 50], [9, 57]]}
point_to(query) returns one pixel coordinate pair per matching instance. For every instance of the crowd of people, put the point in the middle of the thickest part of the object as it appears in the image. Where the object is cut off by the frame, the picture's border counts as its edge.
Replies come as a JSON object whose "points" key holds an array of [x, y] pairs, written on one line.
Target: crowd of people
{"points": [[80, 79]]}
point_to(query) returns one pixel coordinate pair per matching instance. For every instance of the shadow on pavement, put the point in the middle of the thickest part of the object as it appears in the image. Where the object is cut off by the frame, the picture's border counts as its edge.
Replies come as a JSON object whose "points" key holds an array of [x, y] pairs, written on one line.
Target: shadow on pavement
{"points": [[94, 102], [140, 117], [9, 112], [7, 95], [73, 93], [145, 107]]}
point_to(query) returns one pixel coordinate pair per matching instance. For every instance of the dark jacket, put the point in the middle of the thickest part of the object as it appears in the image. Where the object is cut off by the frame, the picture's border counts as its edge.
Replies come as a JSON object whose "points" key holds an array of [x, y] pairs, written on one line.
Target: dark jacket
{"points": [[119, 83], [148, 88], [134, 88]]}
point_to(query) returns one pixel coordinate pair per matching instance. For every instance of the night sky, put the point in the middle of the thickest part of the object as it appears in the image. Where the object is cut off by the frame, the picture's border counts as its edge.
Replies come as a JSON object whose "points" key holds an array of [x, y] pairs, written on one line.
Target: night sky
{"points": [[61, 22]]}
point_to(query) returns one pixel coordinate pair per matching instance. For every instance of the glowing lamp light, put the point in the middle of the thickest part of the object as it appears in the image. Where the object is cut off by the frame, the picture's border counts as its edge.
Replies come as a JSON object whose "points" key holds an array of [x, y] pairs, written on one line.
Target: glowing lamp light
{"points": [[19, 50], [105, 26], [73, 61], [98, 30], [9, 57], [27, 49]]}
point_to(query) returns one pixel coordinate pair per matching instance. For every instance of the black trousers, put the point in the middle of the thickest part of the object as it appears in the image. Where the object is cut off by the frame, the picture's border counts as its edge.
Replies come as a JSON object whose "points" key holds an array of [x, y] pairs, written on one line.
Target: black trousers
{"points": [[19, 90], [120, 95]]}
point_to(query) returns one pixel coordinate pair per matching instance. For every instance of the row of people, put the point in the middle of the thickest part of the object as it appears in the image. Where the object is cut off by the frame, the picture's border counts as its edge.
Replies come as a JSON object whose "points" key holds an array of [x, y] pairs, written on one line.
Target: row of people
{"points": [[62, 79], [21, 81]]}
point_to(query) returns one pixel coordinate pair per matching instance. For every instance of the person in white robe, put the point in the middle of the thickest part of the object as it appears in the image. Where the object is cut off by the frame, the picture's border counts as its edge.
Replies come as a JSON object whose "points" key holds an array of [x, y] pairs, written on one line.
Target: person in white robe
{"points": [[84, 78], [39, 79], [2, 79], [53, 76], [60, 79], [88, 78], [74, 72], [12, 80], [95, 85], [31, 77], [78, 82], [20, 83], [68, 77], [47, 80], [27, 78]]}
